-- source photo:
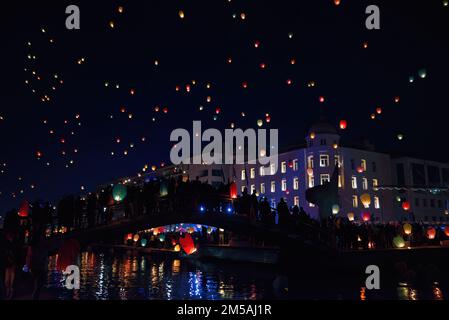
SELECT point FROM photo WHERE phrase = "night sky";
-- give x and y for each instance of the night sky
(326, 42)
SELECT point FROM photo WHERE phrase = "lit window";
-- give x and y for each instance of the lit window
(324, 160)
(262, 188)
(376, 203)
(325, 178)
(273, 203)
(262, 171)
(253, 188)
(310, 162)
(375, 183)
(253, 173)
(340, 181)
(284, 185)
(243, 175)
(273, 169)
(354, 182)
(364, 164)
(273, 187)
(365, 183)
(283, 167)
(355, 201)
(311, 182)
(296, 201)
(295, 165)
(243, 188)
(311, 205)
(295, 184)
(337, 160)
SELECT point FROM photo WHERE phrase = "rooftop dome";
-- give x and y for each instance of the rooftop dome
(321, 127)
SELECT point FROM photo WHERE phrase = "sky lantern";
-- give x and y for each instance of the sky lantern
(446, 231)
(129, 236)
(260, 123)
(143, 242)
(351, 216)
(181, 14)
(366, 216)
(422, 73)
(366, 200)
(289, 82)
(360, 169)
(233, 190)
(187, 244)
(378, 110)
(177, 248)
(445, 3)
(256, 44)
(165, 110)
(322, 99)
(263, 65)
(335, 209)
(406, 205)
(407, 229)
(136, 238)
(119, 192)
(411, 79)
(217, 110)
(399, 242)
(431, 233)
(24, 209)
(268, 118)
(312, 135)
(245, 85)
(343, 124)
(120, 9)
(310, 172)
(337, 2)
(290, 35)
(400, 137)
(397, 99)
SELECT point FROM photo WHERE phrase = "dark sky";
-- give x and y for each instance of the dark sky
(327, 45)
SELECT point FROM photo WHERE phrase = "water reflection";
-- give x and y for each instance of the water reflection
(132, 276)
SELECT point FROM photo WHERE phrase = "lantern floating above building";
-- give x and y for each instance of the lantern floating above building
(343, 124)
(399, 242)
(24, 210)
(366, 216)
(431, 233)
(351, 216)
(119, 192)
(406, 205)
(335, 209)
(366, 200)
(407, 229)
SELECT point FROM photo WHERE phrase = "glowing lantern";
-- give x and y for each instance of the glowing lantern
(24, 210)
(312, 135)
(233, 190)
(310, 172)
(181, 14)
(446, 231)
(289, 82)
(343, 124)
(321, 99)
(177, 248)
(398, 242)
(217, 110)
(161, 237)
(259, 123)
(379, 110)
(129, 236)
(245, 85)
(366, 216)
(337, 2)
(397, 99)
(268, 119)
(143, 242)
(119, 192)
(422, 73)
(163, 190)
(406, 205)
(335, 209)
(187, 244)
(411, 79)
(351, 216)
(366, 200)
(210, 230)
(136, 238)
(400, 137)
(360, 169)
(431, 233)
(120, 9)
(407, 229)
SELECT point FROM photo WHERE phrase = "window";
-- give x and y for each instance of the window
(243, 189)
(374, 166)
(417, 202)
(363, 165)
(253, 173)
(365, 183)
(296, 201)
(262, 188)
(324, 160)
(354, 182)
(323, 142)
(262, 171)
(355, 201)
(295, 165)
(295, 184)
(375, 183)
(273, 187)
(284, 185)
(352, 164)
(243, 175)
(311, 181)
(310, 162)
(311, 205)
(283, 167)
(340, 181)
(432, 203)
(253, 188)
(337, 160)
(376, 202)
(273, 169)
(325, 178)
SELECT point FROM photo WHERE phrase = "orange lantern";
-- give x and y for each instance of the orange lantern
(233, 190)
(446, 231)
(310, 172)
(431, 233)
(366, 216)
(360, 169)
(366, 200)
(187, 244)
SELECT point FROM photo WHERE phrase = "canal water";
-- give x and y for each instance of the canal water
(132, 276)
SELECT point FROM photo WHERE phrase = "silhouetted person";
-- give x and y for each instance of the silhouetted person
(254, 209)
(283, 213)
(37, 262)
